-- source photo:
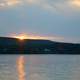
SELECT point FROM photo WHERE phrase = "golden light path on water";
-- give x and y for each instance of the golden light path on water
(20, 67)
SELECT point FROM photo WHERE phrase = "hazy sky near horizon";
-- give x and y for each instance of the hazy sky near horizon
(60, 18)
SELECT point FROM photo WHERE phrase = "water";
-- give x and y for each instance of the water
(39, 67)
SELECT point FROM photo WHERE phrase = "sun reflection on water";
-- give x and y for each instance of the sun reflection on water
(20, 68)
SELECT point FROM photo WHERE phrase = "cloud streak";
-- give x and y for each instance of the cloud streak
(6, 3)
(56, 5)
(52, 5)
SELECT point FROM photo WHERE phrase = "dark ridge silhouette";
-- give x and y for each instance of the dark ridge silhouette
(39, 46)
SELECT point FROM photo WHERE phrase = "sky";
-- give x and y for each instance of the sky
(57, 20)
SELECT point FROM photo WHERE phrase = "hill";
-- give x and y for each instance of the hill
(31, 46)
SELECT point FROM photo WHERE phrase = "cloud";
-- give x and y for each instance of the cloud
(51, 5)
(75, 3)
(33, 1)
(12, 2)
(60, 6)
(2, 4)
(6, 3)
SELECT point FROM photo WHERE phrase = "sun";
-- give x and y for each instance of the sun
(20, 37)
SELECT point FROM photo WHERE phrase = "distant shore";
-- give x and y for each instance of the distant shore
(31, 46)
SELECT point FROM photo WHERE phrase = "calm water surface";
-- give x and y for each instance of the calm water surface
(39, 67)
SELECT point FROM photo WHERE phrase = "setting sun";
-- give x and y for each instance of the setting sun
(20, 37)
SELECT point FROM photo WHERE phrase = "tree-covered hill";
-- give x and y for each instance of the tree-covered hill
(31, 46)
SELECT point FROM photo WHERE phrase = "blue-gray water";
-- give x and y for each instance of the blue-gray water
(39, 67)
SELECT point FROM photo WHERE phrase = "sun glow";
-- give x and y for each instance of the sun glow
(8, 3)
(36, 37)
(75, 3)
(23, 36)
(20, 37)
(12, 2)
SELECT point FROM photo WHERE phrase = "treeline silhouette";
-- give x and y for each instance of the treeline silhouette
(31, 46)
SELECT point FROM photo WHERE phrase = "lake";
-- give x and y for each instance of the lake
(39, 67)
